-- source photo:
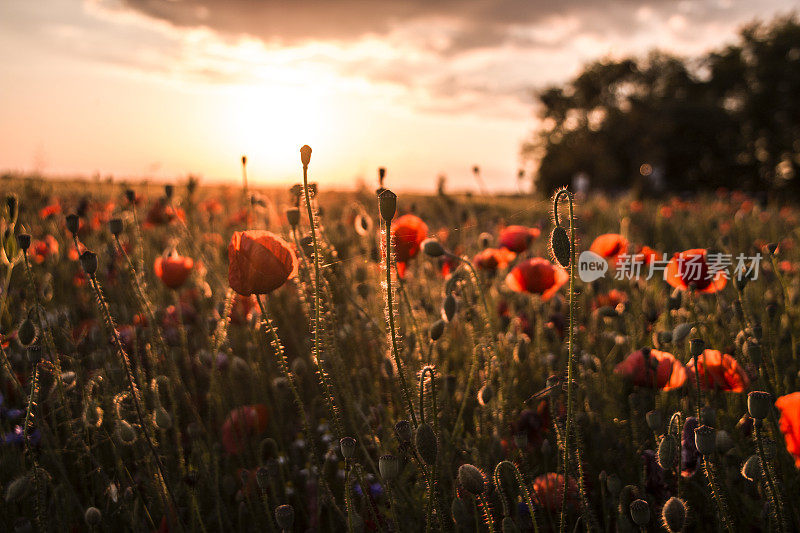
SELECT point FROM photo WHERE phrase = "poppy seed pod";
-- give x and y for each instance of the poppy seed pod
(12, 205)
(758, 404)
(751, 469)
(305, 155)
(389, 466)
(425, 441)
(348, 447)
(437, 329)
(115, 226)
(130, 195)
(387, 205)
(381, 174)
(93, 517)
(89, 262)
(403, 431)
(169, 191)
(284, 517)
(654, 420)
(696, 347)
(667, 454)
(73, 223)
(293, 216)
(432, 248)
(705, 438)
(674, 514)
(449, 307)
(24, 241)
(472, 479)
(559, 243)
(485, 239)
(640, 512)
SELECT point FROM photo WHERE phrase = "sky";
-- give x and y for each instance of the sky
(161, 89)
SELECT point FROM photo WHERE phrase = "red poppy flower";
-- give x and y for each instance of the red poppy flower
(492, 259)
(723, 372)
(173, 269)
(50, 210)
(408, 232)
(610, 246)
(691, 267)
(259, 262)
(161, 214)
(448, 264)
(612, 298)
(549, 489)
(43, 249)
(645, 255)
(537, 276)
(242, 423)
(652, 368)
(789, 407)
(518, 238)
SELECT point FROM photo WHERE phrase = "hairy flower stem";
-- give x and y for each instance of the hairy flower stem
(431, 504)
(526, 494)
(393, 331)
(774, 497)
(571, 346)
(718, 494)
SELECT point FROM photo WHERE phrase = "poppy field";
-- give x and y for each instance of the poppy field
(208, 358)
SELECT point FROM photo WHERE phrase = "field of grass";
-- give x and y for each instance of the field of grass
(453, 392)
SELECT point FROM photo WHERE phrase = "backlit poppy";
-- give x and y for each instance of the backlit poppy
(610, 246)
(173, 269)
(537, 276)
(518, 238)
(789, 407)
(43, 249)
(652, 368)
(549, 489)
(242, 423)
(719, 371)
(691, 266)
(259, 262)
(645, 255)
(408, 232)
(492, 259)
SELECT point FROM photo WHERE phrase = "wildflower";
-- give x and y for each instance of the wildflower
(537, 276)
(652, 368)
(789, 406)
(610, 246)
(691, 267)
(719, 371)
(259, 262)
(492, 259)
(173, 269)
(472, 479)
(243, 422)
(43, 249)
(518, 238)
(549, 489)
(408, 232)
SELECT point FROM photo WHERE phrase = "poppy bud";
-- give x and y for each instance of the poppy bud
(124, 432)
(348, 447)
(24, 241)
(559, 243)
(425, 441)
(640, 512)
(26, 334)
(244, 160)
(284, 517)
(437, 329)
(130, 195)
(305, 155)
(73, 223)
(169, 190)
(89, 262)
(472, 479)
(758, 404)
(772, 248)
(509, 526)
(485, 394)
(12, 204)
(93, 517)
(449, 307)
(674, 514)
(654, 420)
(162, 419)
(705, 439)
(381, 175)
(696, 347)
(115, 226)
(752, 349)
(681, 331)
(387, 204)
(403, 431)
(433, 248)
(389, 466)
(667, 452)
(751, 469)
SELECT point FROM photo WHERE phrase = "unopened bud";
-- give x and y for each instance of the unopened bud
(759, 404)
(89, 262)
(389, 466)
(115, 226)
(432, 248)
(640, 512)
(24, 241)
(293, 216)
(348, 447)
(472, 479)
